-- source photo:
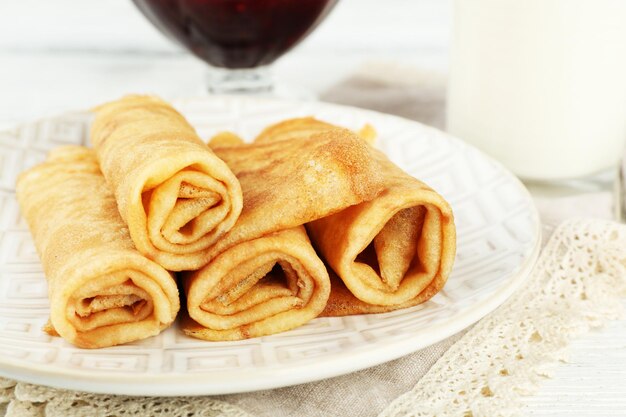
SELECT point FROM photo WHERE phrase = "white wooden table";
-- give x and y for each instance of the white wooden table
(59, 55)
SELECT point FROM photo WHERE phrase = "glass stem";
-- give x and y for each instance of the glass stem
(240, 81)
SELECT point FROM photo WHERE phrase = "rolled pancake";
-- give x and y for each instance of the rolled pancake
(264, 276)
(286, 184)
(102, 291)
(175, 195)
(259, 287)
(392, 251)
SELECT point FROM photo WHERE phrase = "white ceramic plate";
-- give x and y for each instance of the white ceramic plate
(498, 242)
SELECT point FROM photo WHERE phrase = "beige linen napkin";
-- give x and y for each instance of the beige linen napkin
(364, 393)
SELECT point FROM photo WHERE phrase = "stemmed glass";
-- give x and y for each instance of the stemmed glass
(239, 39)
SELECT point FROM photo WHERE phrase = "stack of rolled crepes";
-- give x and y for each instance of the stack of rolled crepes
(265, 276)
(249, 268)
(102, 291)
(389, 237)
(262, 276)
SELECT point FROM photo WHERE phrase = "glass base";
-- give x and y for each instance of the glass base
(254, 81)
(240, 81)
(601, 181)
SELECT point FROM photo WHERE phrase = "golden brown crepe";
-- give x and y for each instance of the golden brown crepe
(102, 291)
(264, 276)
(293, 182)
(259, 287)
(392, 251)
(175, 195)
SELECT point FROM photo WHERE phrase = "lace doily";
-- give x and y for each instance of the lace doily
(575, 286)
(26, 400)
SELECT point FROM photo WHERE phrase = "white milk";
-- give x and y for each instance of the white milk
(541, 84)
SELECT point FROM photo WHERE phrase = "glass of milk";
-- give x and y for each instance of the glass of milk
(540, 85)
